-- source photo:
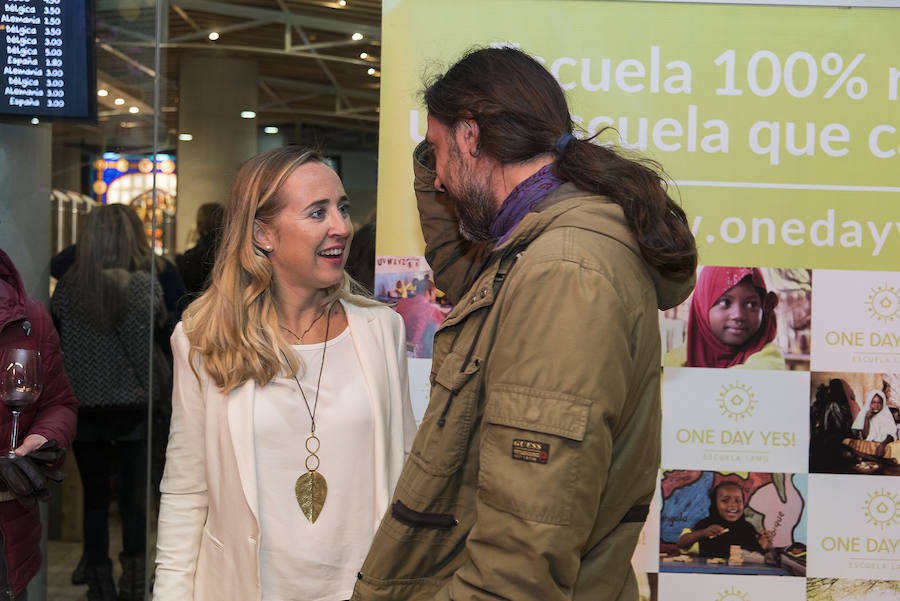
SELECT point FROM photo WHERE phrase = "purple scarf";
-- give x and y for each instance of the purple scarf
(522, 200)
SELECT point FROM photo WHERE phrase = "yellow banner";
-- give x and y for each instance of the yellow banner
(779, 127)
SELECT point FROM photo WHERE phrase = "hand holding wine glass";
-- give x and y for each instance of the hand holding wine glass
(20, 384)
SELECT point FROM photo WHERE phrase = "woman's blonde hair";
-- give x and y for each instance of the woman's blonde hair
(233, 326)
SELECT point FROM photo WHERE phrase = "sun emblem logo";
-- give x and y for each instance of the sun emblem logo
(737, 401)
(732, 595)
(882, 509)
(884, 303)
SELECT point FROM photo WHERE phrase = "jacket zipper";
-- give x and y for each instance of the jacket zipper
(413, 518)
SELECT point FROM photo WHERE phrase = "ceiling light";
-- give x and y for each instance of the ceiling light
(371, 71)
(342, 2)
(185, 137)
(133, 109)
(213, 35)
(35, 120)
(270, 130)
(102, 92)
(119, 101)
(356, 37)
(364, 55)
(248, 115)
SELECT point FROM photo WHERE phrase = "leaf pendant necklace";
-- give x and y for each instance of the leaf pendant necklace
(311, 487)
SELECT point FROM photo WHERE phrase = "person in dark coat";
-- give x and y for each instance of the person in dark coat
(196, 263)
(103, 305)
(176, 299)
(25, 323)
(173, 289)
(361, 258)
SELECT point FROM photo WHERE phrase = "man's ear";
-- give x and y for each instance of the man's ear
(470, 136)
(261, 237)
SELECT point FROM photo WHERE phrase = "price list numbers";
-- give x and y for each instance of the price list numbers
(54, 82)
(32, 40)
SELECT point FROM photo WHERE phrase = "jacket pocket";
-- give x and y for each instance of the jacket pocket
(443, 437)
(216, 543)
(531, 453)
(418, 519)
(423, 534)
(209, 577)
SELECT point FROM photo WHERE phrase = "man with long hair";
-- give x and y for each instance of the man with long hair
(532, 471)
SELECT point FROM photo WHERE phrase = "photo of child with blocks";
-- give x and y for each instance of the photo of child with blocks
(733, 523)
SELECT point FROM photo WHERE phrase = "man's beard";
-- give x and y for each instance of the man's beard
(475, 206)
(475, 209)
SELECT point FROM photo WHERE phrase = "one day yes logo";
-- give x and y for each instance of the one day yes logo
(884, 303)
(882, 508)
(737, 401)
(732, 595)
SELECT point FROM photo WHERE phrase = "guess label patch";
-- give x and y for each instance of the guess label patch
(530, 450)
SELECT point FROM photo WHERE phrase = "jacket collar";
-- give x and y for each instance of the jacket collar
(240, 424)
(568, 206)
(371, 360)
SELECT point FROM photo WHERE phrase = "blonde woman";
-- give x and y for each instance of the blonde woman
(291, 415)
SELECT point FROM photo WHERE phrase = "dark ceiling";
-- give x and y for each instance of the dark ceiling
(311, 76)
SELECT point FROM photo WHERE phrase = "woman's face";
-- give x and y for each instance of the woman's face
(736, 315)
(877, 404)
(310, 236)
(730, 503)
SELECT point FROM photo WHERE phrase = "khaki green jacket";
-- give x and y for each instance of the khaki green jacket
(540, 444)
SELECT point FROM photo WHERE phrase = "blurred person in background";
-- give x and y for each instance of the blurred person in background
(361, 259)
(103, 305)
(46, 429)
(174, 293)
(197, 262)
(176, 299)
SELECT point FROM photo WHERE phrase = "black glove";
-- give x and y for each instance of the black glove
(48, 457)
(23, 479)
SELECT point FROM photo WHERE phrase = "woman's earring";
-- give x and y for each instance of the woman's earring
(269, 247)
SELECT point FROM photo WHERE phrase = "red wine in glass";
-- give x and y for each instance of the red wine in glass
(20, 384)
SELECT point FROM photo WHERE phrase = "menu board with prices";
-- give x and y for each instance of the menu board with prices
(46, 53)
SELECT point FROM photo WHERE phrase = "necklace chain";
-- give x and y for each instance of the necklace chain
(306, 331)
(312, 412)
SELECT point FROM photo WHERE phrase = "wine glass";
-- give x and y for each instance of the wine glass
(20, 384)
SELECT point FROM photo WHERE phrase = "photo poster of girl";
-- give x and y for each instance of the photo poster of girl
(743, 522)
(741, 317)
(854, 423)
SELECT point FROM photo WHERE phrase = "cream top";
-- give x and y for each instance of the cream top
(300, 560)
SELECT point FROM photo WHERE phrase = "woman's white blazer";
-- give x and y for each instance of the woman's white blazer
(208, 538)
